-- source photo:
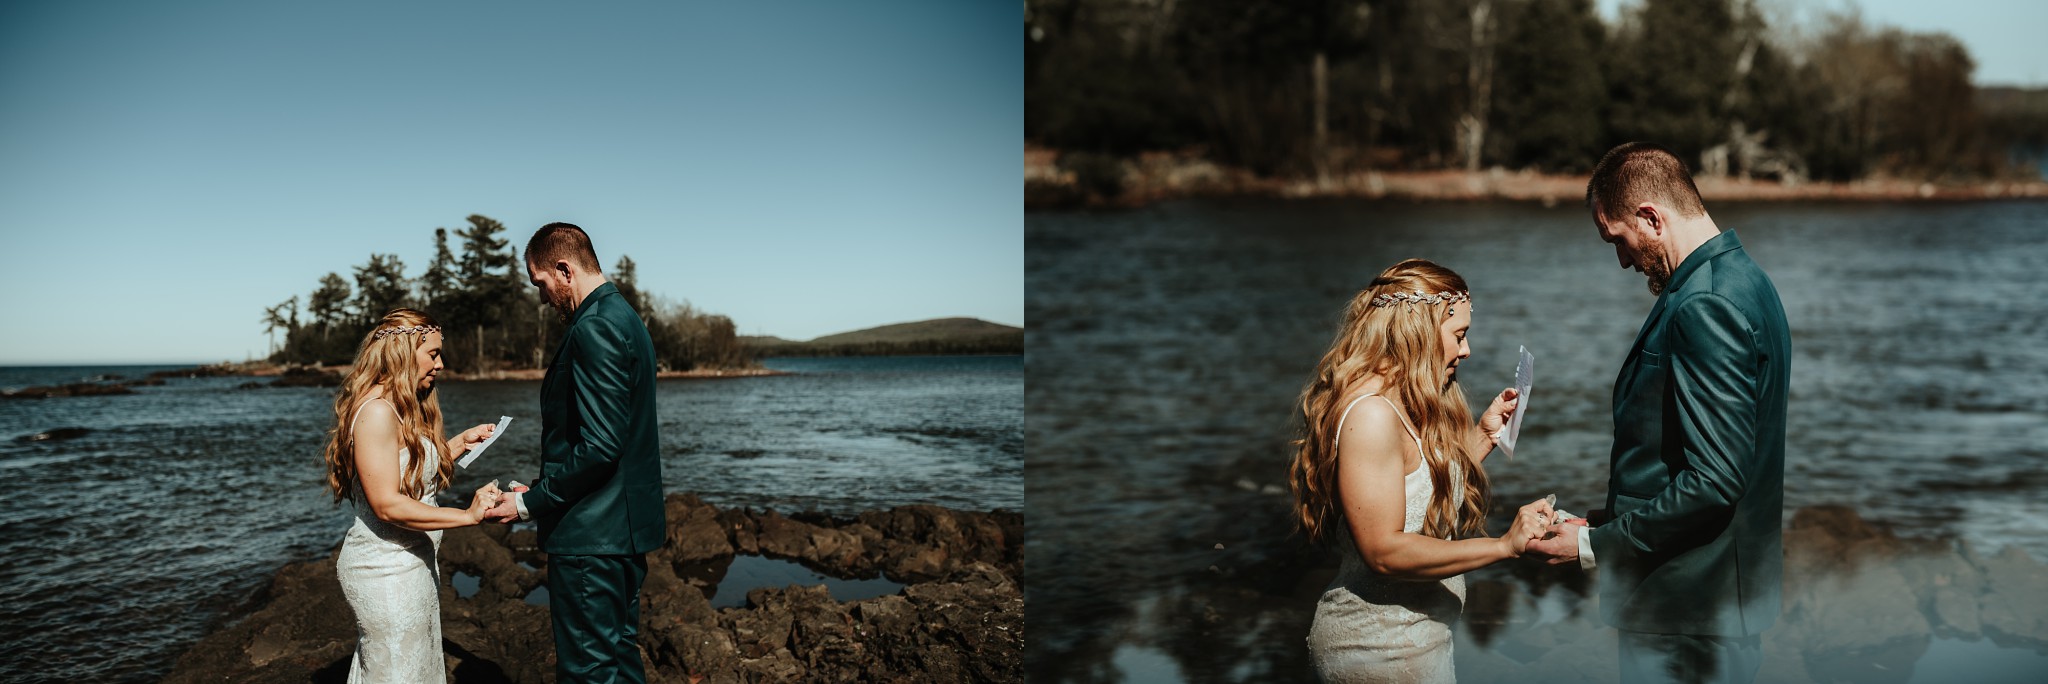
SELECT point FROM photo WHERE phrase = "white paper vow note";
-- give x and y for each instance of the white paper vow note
(488, 441)
(1524, 376)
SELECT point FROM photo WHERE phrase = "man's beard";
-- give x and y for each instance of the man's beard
(1654, 269)
(561, 306)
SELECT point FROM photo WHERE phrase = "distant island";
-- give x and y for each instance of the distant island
(495, 327)
(936, 336)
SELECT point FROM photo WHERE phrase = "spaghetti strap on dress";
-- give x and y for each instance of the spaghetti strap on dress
(391, 580)
(1374, 628)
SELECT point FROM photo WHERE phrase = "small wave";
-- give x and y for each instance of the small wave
(55, 435)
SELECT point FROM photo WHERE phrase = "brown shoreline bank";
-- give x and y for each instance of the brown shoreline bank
(1053, 181)
(960, 618)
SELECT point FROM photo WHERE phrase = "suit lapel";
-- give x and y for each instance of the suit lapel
(1681, 278)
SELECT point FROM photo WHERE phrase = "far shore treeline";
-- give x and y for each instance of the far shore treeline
(492, 319)
(938, 337)
(1319, 89)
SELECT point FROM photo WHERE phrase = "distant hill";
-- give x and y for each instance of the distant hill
(936, 336)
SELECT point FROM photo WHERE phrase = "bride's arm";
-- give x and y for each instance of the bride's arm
(1479, 442)
(376, 438)
(1370, 480)
(468, 439)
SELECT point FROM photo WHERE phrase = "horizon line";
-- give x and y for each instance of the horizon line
(16, 363)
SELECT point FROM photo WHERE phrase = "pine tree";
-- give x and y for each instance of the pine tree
(439, 280)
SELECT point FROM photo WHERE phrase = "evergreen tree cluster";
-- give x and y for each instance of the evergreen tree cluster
(1312, 87)
(491, 318)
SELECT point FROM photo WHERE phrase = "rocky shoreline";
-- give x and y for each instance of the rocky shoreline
(322, 376)
(95, 387)
(960, 617)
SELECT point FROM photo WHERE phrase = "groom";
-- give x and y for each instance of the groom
(598, 498)
(1690, 543)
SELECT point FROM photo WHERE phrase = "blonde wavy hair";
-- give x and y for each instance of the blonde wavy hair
(391, 363)
(1401, 343)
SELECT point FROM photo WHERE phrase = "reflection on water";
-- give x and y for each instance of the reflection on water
(1168, 346)
(743, 573)
(1984, 660)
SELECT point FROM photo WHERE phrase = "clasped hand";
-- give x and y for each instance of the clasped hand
(493, 505)
(1540, 530)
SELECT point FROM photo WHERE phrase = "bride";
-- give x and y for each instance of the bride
(386, 457)
(1388, 472)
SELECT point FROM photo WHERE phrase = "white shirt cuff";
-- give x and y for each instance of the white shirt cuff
(1585, 547)
(519, 502)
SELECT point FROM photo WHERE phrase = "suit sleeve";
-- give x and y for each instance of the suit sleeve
(1714, 368)
(600, 381)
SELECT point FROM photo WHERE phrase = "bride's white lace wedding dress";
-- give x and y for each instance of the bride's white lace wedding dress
(390, 577)
(1374, 628)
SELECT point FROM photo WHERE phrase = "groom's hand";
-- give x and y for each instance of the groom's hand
(1559, 547)
(504, 512)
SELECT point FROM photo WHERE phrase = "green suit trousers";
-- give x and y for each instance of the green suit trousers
(595, 606)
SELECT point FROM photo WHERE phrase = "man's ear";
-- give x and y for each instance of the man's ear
(562, 269)
(1652, 217)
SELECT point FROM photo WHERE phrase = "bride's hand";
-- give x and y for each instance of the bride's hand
(1531, 522)
(476, 435)
(1496, 415)
(486, 497)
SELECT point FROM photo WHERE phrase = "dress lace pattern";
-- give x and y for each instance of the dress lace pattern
(391, 579)
(1374, 628)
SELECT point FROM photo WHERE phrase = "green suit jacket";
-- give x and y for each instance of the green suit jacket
(599, 491)
(1696, 485)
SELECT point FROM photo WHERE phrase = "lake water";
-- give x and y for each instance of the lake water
(1168, 346)
(125, 545)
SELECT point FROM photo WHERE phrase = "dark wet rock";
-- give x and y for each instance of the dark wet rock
(961, 617)
(1954, 611)
(304, 627)
(79, 389)
(306, 377)
(741, 530)
(1840, 615)
(1857, 591)
(2015, 600)
(499, 577)
(56, 435)
(695, 532)
(1860, 604)
(210, 371)
(780, 536)
(924, 542)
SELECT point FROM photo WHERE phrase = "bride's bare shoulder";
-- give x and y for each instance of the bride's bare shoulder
(1370, 426)
(375, 416)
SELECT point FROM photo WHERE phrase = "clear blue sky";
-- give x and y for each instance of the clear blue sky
(2004, 36)
(169, 169)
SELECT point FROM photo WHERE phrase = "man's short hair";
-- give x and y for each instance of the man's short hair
(562, 242)
(1634, 172)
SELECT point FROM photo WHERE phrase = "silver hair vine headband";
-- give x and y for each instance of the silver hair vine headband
(1417, 297)
(419, 329)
